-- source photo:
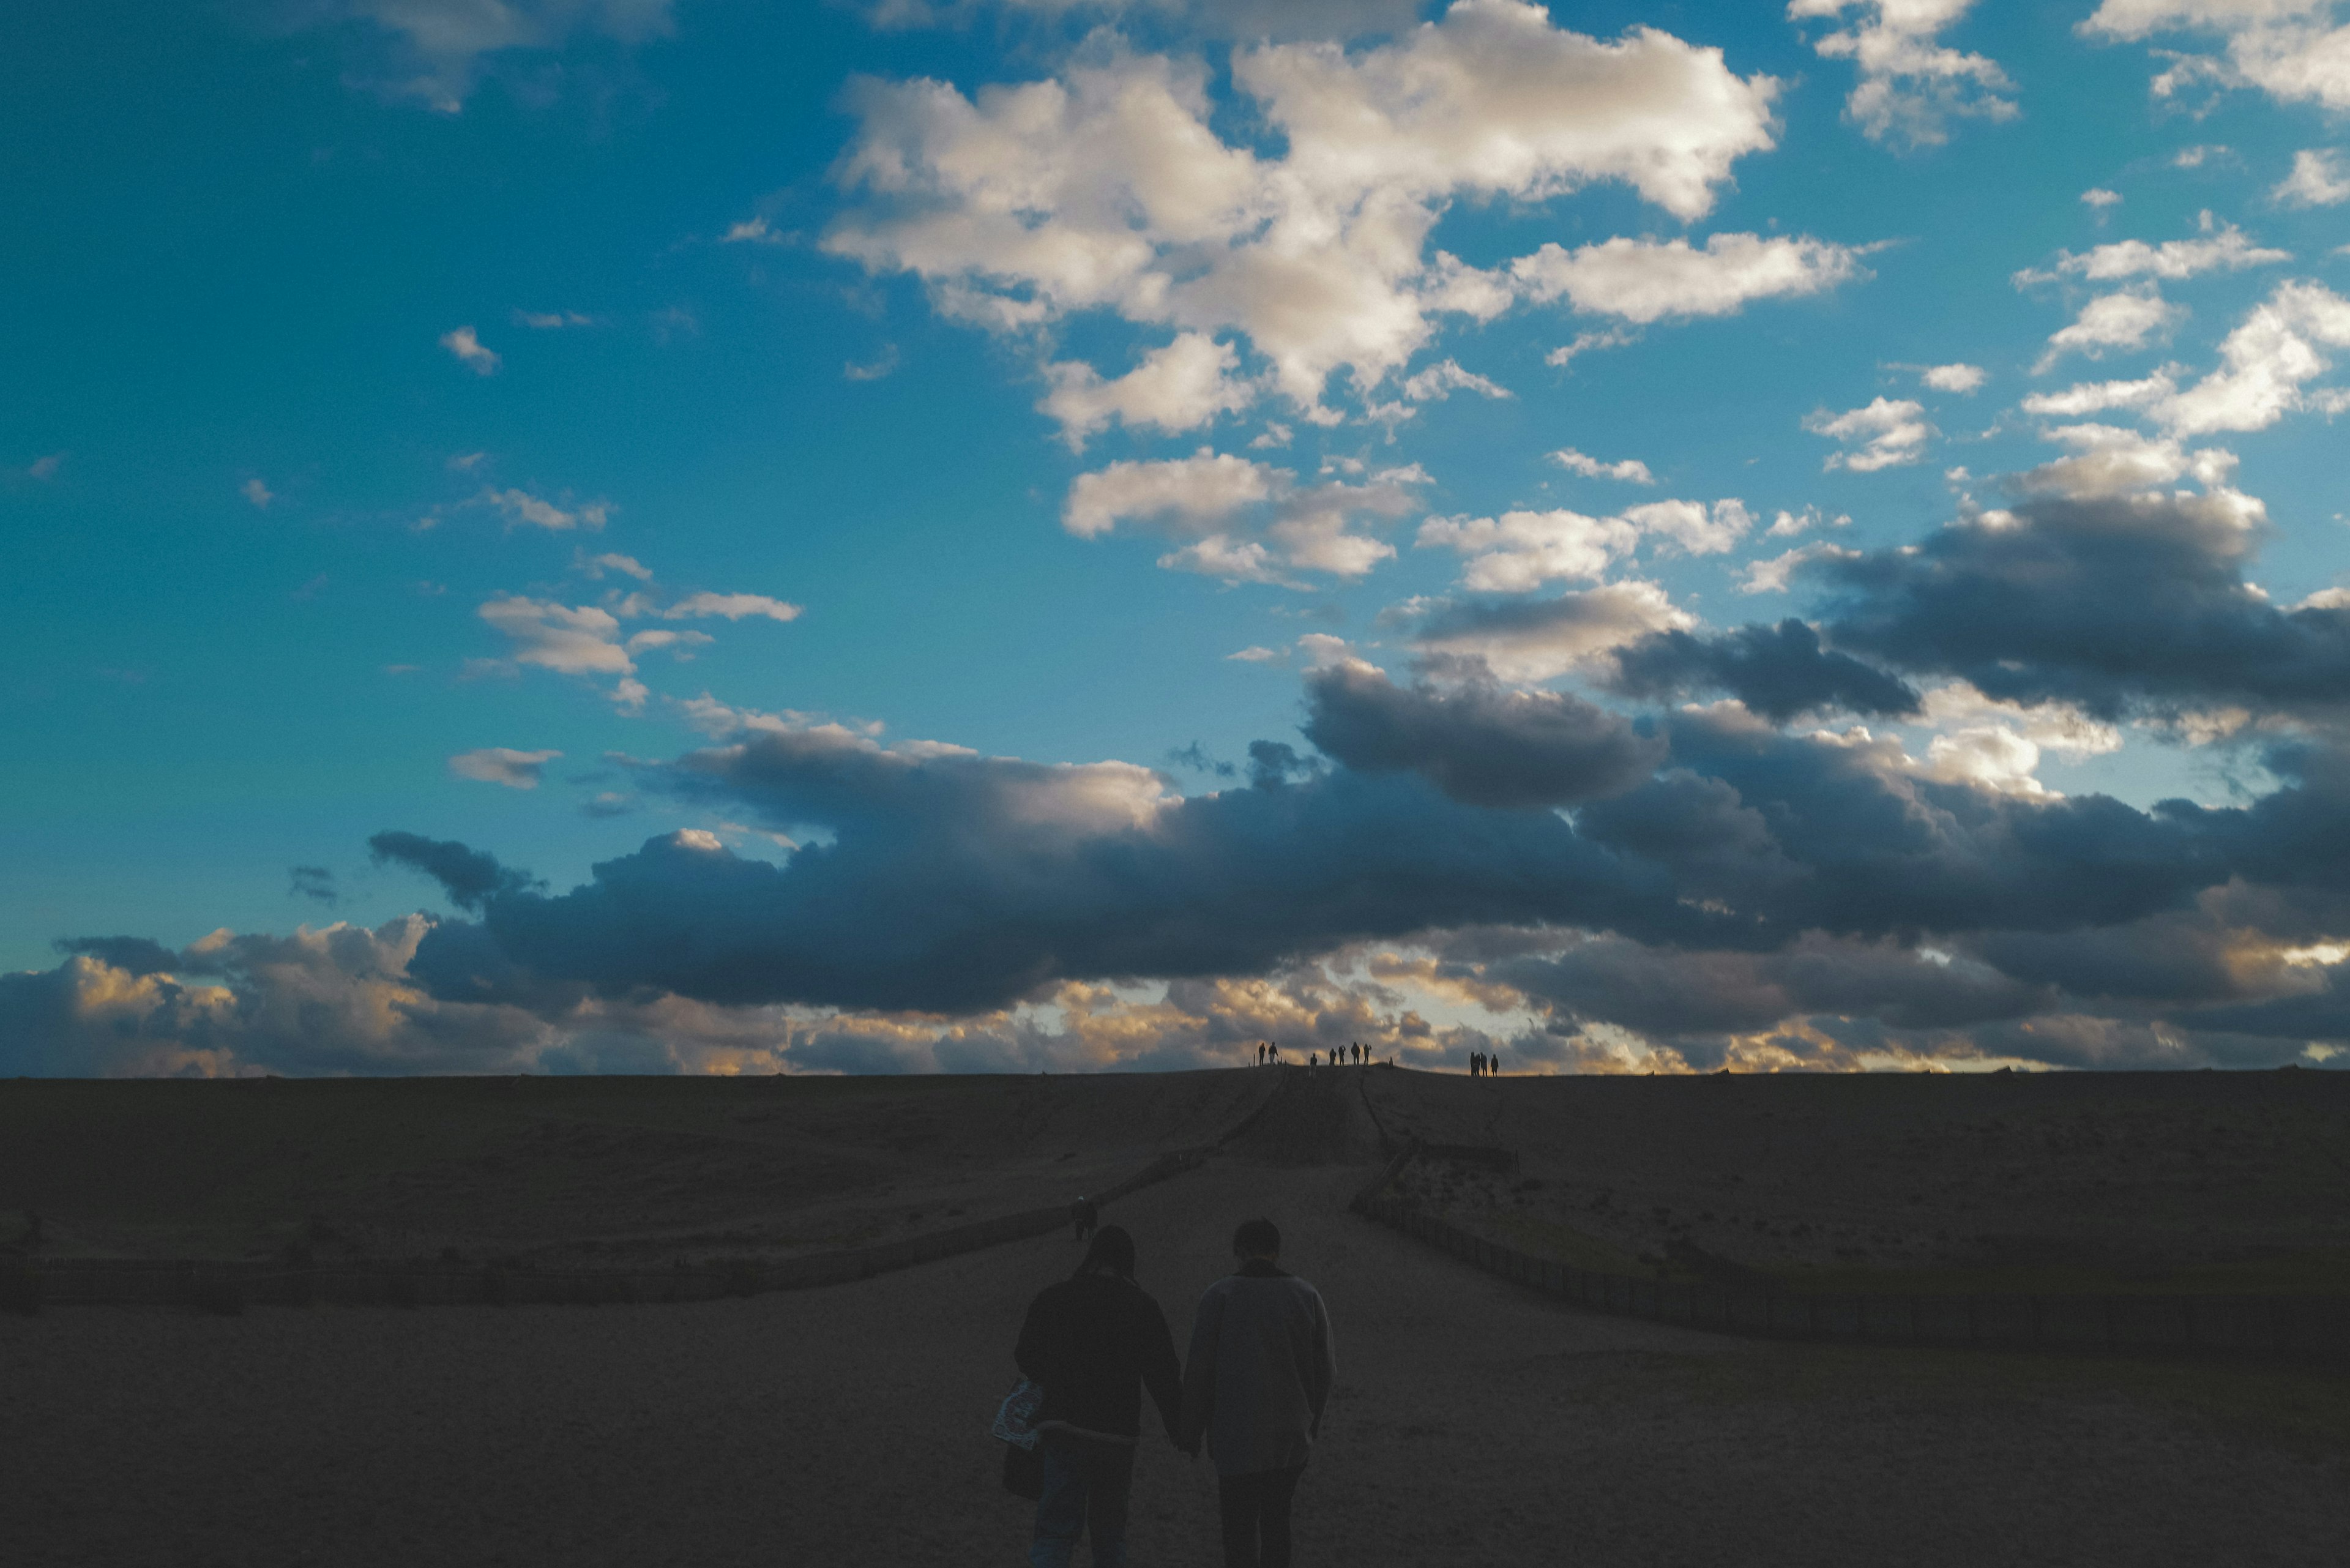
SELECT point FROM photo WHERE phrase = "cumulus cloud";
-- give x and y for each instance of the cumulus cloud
(2098, 199)
(583, 639)
(1886, 433)
(1211, 503)
(2319, 179)
(1522, 550)
(1442, 380)
(1180, 387)
(1479, 742)
(470, 353)
(2114, 322)
(2266, 364)
(1108, 188)
(2296, 51)
(1541, 640)
(1630, 470)
(1644, 281)
(2223, 249)
(1956, 378)
(1772, 576)
(732, 607)
(2118, 603)
(521, 506)
(1910, 86)
(2096, 396)
(503, 765)
(1777, 671)
(977, 881)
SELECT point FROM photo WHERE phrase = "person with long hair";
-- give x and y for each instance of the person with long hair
(1094, 1341)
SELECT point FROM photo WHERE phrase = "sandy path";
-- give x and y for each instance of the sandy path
(1474, 1424)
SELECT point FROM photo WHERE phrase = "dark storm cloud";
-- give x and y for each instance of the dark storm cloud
(135, 955)
(955, 882)
(1479, 743)
(468, 876)
(1811, 832)
(2118, 604)
(1778, 672)
(1672, 993)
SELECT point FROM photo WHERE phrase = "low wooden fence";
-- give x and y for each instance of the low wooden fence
(2302, 1328)
(229, 1287)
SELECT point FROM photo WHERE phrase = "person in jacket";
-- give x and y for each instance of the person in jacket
(1258, 1376)
(1094, 1341)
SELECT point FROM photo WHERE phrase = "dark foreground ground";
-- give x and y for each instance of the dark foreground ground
(1475, 1423)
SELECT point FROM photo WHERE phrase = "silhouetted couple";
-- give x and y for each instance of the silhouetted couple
(1259, 1372)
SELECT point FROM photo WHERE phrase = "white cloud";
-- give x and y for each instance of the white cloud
(1180, 387)
(1585, 342)
(581, 641)
(2108, 460)
(1643, 281)
(502, 766)
(1521, 550)
(1630, 470)
(1957, 377)
(732, 606)
(1184, 495)
(1209, 500)
(2291, 49)
(1910, 86)
(469, 351)
(1538, 639)
(626, 566)
(1690, 527)
(750, 231)
(2195, 157)
(254, 491)
(2224, 250)
(2111, 323)
(2266, 362)
(674, 640)
(1106, 188)
(2096, 396)
(1255, 655)
(1275, 435)
(1440, 381)
(1770, 577)
(2099, 198)
(2319, 179)
(1787, 524)
(1890, 432)
(521, 506)
(1997, 745)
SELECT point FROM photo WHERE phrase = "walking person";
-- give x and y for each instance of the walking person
(1084, 1214)
(1259, 1373)
(1094, 1341)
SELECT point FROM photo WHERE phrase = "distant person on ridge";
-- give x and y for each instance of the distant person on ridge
(1084, 1215)
(1259, 1373)
(1094, 1341)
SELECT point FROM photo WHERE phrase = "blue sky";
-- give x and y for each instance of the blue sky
(544, 429)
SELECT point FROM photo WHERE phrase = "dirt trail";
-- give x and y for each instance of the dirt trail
(1473, 1424)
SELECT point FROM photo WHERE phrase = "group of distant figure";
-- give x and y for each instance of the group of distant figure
(1251, 1390)
(1481, 1065)
(1354, 1054)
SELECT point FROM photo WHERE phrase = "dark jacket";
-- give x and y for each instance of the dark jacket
(1260, 1370)
(1095, 1342)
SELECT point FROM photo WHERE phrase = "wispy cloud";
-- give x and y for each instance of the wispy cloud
(468, 348)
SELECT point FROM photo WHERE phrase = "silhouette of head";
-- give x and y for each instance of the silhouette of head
(1256, 1239)
(1112, 1251)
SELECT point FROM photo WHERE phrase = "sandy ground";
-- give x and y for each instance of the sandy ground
(1475, 1423)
